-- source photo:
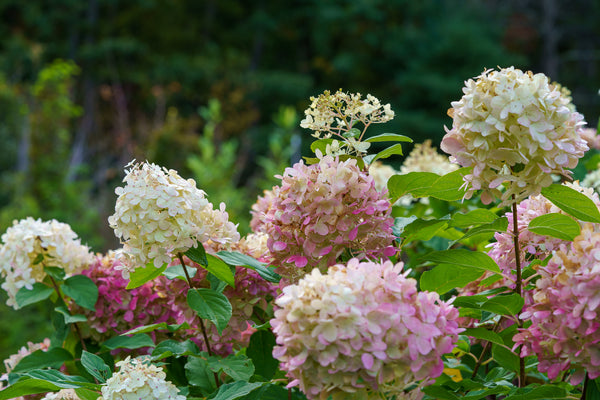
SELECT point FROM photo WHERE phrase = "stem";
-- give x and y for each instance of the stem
(202, 328)
(75, 324)
(484, 351)
(519, 284)
(585, 385)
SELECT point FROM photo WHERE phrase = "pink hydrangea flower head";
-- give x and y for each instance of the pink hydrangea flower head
(119, 309)
(321, 210)
(565, 325)
(513, 128)
(138, 378)
(361, 328)
(159, 214)
(29, 239)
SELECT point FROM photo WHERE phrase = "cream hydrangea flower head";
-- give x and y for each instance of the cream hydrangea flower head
(425, 158)
(64, 394)
(26, 242)
(159, 214)
(513, 126)
(338, 113)
(138, 378)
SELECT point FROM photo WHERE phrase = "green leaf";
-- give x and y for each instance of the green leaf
(197, 254)
(539, 393)
(129, 342)
(504, 304)
(82, 290)
(238, 367)
(484, 334)
(556, 225)
(235, 390)
(220, 269)
(423, 230)
(260, 350)
(170, 348)
(142, 275)
(95, 366)
(55, 272)
(593, 389)
(395, 149)
(505, 358)
(159, 326)
(69, 319)
(53, 358)
(210, 305)
(269, 392)
(86, 394)
(474, 301)
(26, 386)
(243, 260)
(61, 380)
(439, 392)
(572, 202)
(177, 272)
(198, 374)
(448, 187)
(446, 277)
(353, 133)
(418, 184)
(389, 137)
(475, 217)
(320, 144)
(464, 258)
(499, 225)
(37, 293)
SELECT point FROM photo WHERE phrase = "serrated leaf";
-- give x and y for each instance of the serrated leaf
(26, 386)
(475, 217)
(95, 366)
(210, 305)
(572, 202)
(69, 319)
(448, 187)
(197, 254)
(129, 342)
(53, 358)
(177, 272)
(238, 367)
(556, 225)
(505, 358)
(418, 184)
(37, 293)
(55, 272)
(395, 149)
(142, 275)
(61, 380)
(446, 277)
(243, 260)
(220, 269)
(504, 304)
(82, 290)
(484, 334)
(260, 350)
(423, 230)
(170, 348)
(389, 137)
(236, 390)
(198, 374)
(464, 258)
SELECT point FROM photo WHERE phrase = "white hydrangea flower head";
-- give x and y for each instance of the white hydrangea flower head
(425, 158)
(381, 174)
(138, 378)
(29, 239)
(159, 214)
(592, 179)
(515, 129)
(64, 394)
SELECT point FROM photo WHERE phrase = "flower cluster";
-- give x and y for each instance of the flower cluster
(514, 127)
(138, 378)
(381, 174)
(336, 114)
(321, 210)
(30, 245)
(159, 214)
(361, 328)
(425, 158)
(11, 362)
(565, 329)
(119, 309)
(590, 135)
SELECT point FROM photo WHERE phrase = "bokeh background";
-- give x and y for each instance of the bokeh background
(216, 89)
